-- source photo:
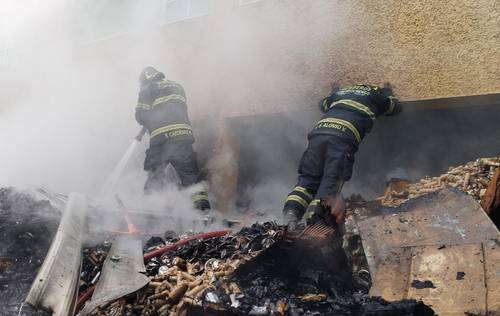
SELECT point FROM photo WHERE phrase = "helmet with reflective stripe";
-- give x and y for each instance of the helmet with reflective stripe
(149, 74)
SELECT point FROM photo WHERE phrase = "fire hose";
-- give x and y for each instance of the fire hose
(87, 294)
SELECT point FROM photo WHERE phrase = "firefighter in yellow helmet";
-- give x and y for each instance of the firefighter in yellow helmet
(162, 110)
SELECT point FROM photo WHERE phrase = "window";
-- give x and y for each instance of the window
(175, 10)
(201, 7)
(245, 2)
(99, 19)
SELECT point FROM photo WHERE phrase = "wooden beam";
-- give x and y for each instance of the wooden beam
(223, 166)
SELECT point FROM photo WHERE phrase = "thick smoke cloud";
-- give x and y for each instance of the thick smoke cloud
(66, 104)
(69, 85)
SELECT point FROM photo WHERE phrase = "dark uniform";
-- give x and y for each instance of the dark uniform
(328, 160)
(162, 110)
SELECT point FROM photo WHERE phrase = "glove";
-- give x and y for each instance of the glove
(395, 107)
(314, 213)
(336, 205)
(291, 219)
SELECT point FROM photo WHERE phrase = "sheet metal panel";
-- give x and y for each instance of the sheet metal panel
(121, 273)
(491, 250)
(56, 284)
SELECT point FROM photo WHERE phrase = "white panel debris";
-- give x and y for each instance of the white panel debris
(56, 284)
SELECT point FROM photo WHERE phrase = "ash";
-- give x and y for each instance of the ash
(301, 278)
(27, 227)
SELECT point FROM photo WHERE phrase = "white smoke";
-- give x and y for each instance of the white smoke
(69, 82)
(68, 72)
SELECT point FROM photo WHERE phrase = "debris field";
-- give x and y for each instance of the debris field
(258, 270)
(253, 272)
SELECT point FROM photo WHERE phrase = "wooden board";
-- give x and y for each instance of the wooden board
(391, 279)
(492, 271)
(448, 217)
(432, 239)
(457, 276)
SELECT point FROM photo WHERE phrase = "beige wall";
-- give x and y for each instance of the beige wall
(278, 55)
(284, 54)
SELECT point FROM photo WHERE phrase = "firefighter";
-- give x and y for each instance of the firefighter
(349, 114)
(162, 110)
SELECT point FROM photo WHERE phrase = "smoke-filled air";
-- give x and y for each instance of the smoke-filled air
(69, 76)
(249, 157)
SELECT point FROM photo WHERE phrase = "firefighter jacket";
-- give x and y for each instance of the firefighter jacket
(351, 112)
(162, 109)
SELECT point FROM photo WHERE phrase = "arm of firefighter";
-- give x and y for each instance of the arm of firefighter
(391, 103)
(144, 105)
(324, 104)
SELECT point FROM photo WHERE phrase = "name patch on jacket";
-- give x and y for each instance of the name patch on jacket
(340, 125)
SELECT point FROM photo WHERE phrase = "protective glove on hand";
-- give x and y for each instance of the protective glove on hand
(397, 107)
(336, 205)
(314, 213)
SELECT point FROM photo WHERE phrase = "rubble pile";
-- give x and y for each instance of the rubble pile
(253, 272)
(27, 227)
(180, 277)
(472, 178)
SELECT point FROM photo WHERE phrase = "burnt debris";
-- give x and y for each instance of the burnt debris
(27, 227)
(253, 272)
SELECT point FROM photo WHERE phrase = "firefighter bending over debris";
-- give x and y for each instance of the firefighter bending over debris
(328, 160)
(162, 110)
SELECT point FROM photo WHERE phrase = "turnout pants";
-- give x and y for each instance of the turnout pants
(182, 157)
(324, 167)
